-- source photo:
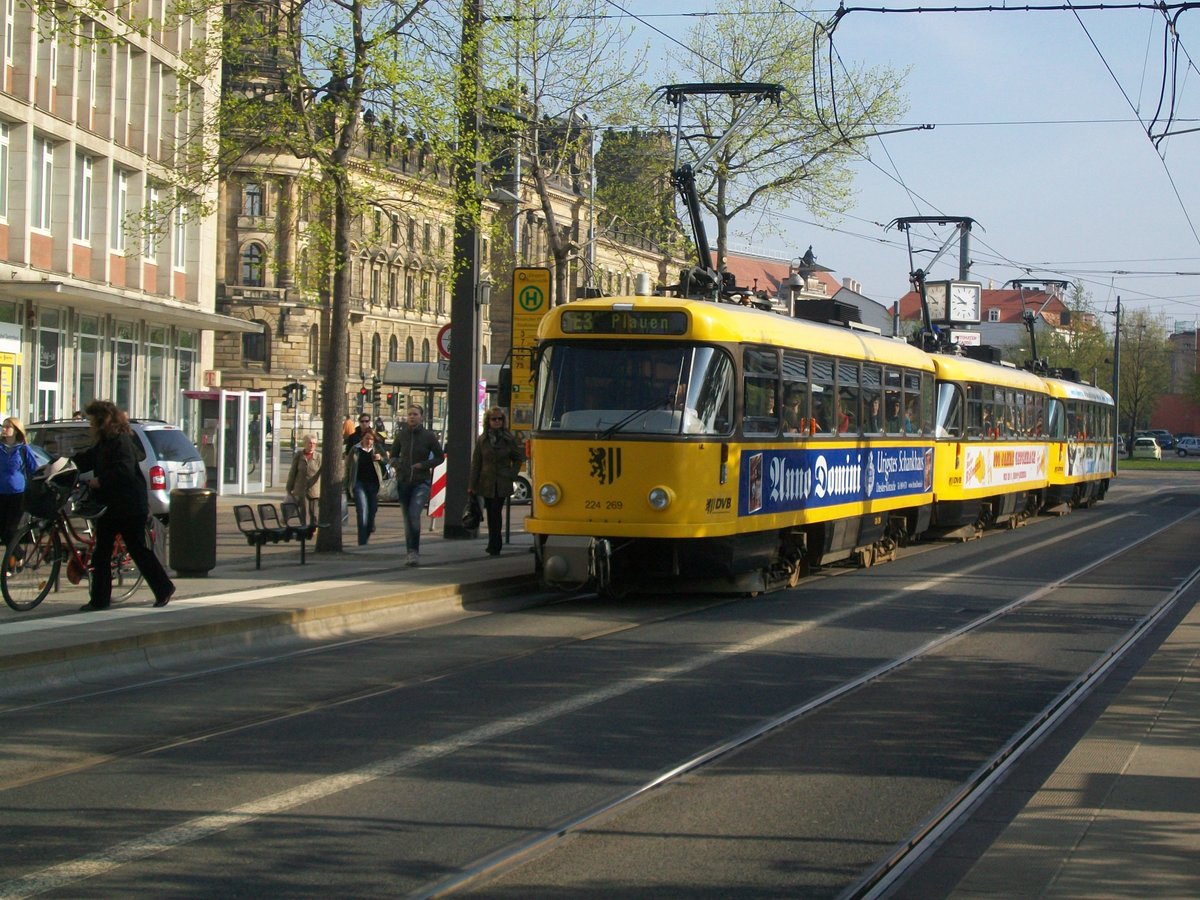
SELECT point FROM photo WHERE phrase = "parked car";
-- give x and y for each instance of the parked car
(172, 460)
(1145, 448)
(1165, 439)
(1188, 446)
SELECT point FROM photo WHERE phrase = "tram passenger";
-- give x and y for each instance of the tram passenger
(690, 417)
(874, 418)
(894, 420)
(910, 417)
(820, 415)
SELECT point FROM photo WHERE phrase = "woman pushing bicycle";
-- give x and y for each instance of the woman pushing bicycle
(118, 483)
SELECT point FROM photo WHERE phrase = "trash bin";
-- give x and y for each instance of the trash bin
(193, 542)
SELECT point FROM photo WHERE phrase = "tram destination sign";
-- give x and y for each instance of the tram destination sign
(619, 321)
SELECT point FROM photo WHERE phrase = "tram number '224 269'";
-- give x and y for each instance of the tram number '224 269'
(603, 504)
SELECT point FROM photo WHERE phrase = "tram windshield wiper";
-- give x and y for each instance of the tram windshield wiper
(621, 423)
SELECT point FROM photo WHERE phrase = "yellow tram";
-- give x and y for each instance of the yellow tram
(1080, 431)
(681, 442)
(990, 465)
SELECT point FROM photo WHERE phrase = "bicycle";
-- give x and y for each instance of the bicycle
(34, 558)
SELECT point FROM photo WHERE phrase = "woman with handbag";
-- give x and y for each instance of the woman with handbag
(497, 458)
(17, 463)
(364, 475)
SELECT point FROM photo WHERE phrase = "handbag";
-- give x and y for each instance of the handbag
(473, 514)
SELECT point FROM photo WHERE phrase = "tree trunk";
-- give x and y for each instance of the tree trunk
(334, 384)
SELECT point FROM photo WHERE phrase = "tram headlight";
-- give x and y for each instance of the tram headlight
(659, 498)
(549, 493)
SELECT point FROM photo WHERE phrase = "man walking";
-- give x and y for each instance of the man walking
(416, 452)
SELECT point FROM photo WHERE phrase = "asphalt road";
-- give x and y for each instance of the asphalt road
(384, 765)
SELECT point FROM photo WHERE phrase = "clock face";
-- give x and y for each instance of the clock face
(964, 302)
(935, 295)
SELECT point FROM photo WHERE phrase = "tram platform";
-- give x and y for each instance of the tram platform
(1109, 807)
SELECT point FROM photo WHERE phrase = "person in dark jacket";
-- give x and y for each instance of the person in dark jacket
(364, 475)
(497, 458)
(118, 483)
(17, 463)
(416, 452)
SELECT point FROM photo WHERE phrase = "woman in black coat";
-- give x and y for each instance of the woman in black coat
(118, 483)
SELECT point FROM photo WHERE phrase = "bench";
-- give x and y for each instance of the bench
(257, 535)
(297, 529)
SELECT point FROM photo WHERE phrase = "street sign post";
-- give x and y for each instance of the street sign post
(531, 301)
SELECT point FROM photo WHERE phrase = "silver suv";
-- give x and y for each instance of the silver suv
(172, 460)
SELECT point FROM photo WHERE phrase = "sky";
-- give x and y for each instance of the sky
(1037, 138)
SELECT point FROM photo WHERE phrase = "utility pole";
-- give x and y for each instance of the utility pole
(464, 314)
(1116, 391)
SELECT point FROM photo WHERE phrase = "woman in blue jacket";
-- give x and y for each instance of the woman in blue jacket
(17, 463)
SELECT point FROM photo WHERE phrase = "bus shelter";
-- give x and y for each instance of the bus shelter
(231, 433)
(424, 383)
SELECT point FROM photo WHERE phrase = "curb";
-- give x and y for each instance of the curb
(98, 661)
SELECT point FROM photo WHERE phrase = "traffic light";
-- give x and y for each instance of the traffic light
(391, 400)
(288, 397)
(376, 382)
(303, 393)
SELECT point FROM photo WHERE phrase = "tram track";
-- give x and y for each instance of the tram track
(381, 689)
(500, 727)
(875, 882)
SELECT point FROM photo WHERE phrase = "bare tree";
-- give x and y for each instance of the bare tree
(791, 153)
(1145, 368)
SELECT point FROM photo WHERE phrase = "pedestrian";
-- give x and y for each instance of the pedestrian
(304, 479)
(416, 452)
(364, 424)
(118, 483)
(495, 462)
(348, 427)
(364, 475)
(17, 463)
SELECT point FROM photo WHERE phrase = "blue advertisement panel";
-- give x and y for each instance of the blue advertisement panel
(775, 481)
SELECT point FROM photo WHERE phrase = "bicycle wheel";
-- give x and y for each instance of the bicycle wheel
(31, 566)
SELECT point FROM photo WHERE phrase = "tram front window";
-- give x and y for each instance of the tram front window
(635, 389)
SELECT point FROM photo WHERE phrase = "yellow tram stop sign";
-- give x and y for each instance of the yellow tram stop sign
(531, 301)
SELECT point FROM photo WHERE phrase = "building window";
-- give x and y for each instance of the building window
(395, 228)
(252, 265)
(43, 183)
(409, 349)
(314, 348)
(393, 349)
(425, 350)
(179, 239)
(994, 315)
(10, 17)
(83, 198)
(376, 275)
(3, 170)
(393, 288)
(425, 239)
(376, 352)
(254, 345)
(150, 234)
(409, 290)
(120, 206)
(252, 199)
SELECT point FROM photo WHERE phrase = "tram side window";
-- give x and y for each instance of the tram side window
(949, 410)
(893, 401)
(849, 397)
(760, 409)
(918, 403)
(1056, 428)
(872, 399)
(975, 408)
(796, 418)
(822, 394)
